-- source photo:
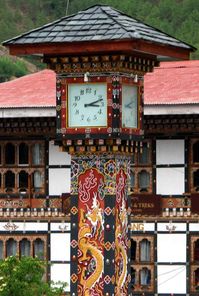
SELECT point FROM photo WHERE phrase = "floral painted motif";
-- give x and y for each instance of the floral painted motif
(110, 168)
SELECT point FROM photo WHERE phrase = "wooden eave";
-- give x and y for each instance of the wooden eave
(76, 48)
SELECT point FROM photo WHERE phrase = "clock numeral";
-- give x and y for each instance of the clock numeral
(95, 117)
(100, 111)
(82, 117)
(74, 104)
(88, 90)
(77, 98)
(81, 92)
(95, 91)
(88, 119)
(76, 112)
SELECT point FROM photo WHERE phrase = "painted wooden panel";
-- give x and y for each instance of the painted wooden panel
(170, 152)
(59, 181)
(60, 246)
(171, 226)
(61, 272)
(57, 157)
(23, 226)
(171, 279)
(60, 226)
(171, 248)
(170, 181)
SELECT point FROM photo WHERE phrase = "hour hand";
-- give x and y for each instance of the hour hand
(93, 104)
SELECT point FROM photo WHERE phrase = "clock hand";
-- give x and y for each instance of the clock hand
(129, 105)
(93, 104)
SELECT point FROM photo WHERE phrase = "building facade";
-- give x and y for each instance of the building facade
(34, 176)
(164, 183)
(35, 181)
(100, 57)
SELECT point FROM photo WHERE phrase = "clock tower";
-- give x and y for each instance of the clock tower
(100, 56)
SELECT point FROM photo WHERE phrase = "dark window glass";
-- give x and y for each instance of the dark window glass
(1, 250)
(145, 247)
(11, 247)
(23, 154)
(196, 152)
(132, 181)
(196, 276)
(9, 181)
(23, 180)
(133, 277)
(196, 251)
(39, 248)
(143, 179)
(145, 276)
(143, 156)
(9, 154)
(24, 247)
(196, 180)
(133, 250)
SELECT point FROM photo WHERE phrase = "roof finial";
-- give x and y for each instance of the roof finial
(67, 6)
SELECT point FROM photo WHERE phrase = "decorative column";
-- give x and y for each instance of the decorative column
(99, 221)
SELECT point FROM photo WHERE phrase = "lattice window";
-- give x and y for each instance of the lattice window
(141, 169)
(142, 263)
(22, 167)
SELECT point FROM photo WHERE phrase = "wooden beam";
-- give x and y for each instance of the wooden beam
(100, 47)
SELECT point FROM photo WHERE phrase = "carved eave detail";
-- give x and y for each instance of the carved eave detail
(101, 64)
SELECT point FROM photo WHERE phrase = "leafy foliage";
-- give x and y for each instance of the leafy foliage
(9, 68)
(24, 277)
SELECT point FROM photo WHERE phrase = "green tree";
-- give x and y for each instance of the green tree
(9, 68)
(24, 277)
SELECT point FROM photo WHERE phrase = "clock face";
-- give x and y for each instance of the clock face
(87, 105)
(129, 106)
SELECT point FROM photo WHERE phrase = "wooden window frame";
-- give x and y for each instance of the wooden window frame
(138, 265)
(137, 168)
(28, 168)
(19, 237)
(194, 265)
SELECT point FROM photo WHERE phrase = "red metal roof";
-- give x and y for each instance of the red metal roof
(173, 83)
(34, 90)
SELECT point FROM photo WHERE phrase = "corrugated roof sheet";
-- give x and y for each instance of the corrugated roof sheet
(34, 90)
(97, 23)
(173, 83)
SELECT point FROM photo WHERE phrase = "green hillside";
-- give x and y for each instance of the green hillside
(179, 18)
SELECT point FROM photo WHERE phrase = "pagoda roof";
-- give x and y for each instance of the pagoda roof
(99, 23)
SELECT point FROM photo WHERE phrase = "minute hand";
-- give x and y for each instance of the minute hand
(93, 104)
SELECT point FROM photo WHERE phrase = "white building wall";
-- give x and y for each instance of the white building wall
(171, 279)
(170, 167)
(170, 152)
(58, 157)
(59, 171)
